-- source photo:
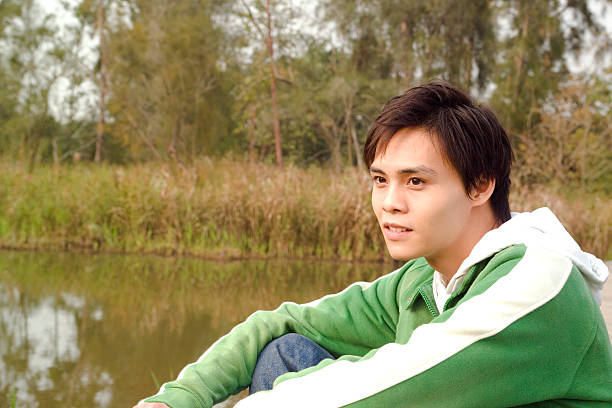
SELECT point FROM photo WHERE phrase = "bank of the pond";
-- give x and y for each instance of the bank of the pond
(224, 209)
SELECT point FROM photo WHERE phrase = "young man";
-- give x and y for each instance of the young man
(490, 310)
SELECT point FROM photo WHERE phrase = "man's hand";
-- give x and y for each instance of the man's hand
(151, 405)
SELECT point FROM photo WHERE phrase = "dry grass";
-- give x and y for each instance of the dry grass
(586, 216)
(227, 209)
(218, 208)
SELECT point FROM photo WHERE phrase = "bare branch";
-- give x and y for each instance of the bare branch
(252, 18)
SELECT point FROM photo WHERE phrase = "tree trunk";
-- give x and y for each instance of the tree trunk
(332, 138)
(101, 84)
(35, 135)
(252, 134)
(358, 152)
(349, 148)
(55, 151)
(468, 63)
(274, 97)
(352, 142)
(520, 59)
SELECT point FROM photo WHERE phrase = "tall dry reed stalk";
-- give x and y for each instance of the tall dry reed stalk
(224, 208)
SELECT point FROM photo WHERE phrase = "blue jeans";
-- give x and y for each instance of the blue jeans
(289, 353)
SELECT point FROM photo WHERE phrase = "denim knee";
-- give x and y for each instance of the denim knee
(289, 353)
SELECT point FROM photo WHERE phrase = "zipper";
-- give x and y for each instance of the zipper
(432, 308)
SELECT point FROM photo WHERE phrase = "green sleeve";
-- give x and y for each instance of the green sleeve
(354, 321)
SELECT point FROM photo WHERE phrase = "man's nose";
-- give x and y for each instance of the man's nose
(394, 201)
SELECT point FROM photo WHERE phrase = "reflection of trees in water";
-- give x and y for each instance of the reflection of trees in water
(41, 356)
(99, 331)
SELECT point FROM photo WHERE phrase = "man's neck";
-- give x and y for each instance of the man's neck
(482, 220)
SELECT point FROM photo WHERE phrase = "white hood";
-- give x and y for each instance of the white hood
(540, 228)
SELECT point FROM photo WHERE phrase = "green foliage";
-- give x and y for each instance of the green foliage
(13, 398)
(419, 40)
(168, 96)
(34, 63)
(534, 55)
(334, 101)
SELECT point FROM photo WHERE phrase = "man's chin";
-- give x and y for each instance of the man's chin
(400, 254)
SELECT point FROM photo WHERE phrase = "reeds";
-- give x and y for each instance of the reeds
(217, 208)
(221, 208)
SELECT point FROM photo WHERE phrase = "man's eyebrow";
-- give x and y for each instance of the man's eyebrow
(419, 169)
(410, 170)
(375, 170)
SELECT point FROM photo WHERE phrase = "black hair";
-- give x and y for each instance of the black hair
(470, 136)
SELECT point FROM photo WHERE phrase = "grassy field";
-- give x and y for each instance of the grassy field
(220, 208)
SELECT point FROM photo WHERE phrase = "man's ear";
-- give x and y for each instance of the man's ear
(482, 192)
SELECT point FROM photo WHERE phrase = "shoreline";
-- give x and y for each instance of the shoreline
(214, 257)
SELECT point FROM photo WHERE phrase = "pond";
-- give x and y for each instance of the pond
(80, 330)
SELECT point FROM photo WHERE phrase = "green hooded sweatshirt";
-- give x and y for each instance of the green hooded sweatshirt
(523, 329)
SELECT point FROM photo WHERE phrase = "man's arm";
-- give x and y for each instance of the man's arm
(356, 320)
(526, 336)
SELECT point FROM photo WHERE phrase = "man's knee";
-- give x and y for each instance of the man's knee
(289, 353)
(289, 342)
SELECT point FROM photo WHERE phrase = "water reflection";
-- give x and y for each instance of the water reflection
(101, 331)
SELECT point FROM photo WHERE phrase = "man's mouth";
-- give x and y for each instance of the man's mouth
(395, 231)
(398, 229)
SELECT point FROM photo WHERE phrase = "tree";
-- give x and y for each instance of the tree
(533, 55)
(419, 40)
(251, 107)
(102, 81)
(330, 106)
(9, 83)
(167, 94)
(34, 65)
(268, 38)
(93, 17)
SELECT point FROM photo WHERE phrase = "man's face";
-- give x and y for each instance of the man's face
(418, 198)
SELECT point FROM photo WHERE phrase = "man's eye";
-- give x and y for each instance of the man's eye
(414, 181)
(378, 180)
